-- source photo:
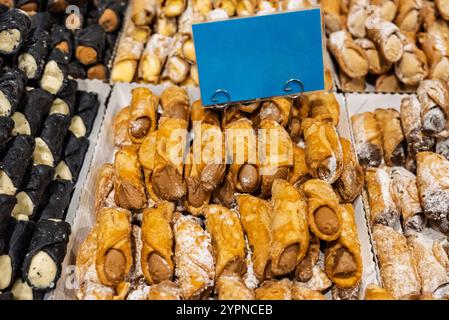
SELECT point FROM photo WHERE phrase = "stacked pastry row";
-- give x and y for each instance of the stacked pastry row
(390, 45)
(157, 44)
(275, 228)
(86, 37)
(404, 154)
(45, 141)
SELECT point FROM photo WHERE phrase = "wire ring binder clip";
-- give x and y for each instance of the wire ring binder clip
(221, 92)
(288, 88)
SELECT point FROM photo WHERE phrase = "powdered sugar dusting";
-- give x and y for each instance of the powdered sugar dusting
(250, 278)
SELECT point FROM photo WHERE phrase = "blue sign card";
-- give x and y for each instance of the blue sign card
(257, 57)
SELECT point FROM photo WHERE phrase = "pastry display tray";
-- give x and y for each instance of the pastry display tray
(104, 152)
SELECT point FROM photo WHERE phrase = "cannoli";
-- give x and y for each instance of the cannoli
(56, 6)
(73, 157)
(59, 200)
(433, 96)
(435, 44)
(432, 170)
(31, 197)
(396, 263)
(350, 57)
(356, 18)
(203, 7)
(377, 63)
(176, 68)
(229, 6)
(157, 242)
(325, 107)
(256, 217)
(65, 101)
(276, 109)
(144, 11)
(50, 143)
(405, 195)
(374, 292)
(76, 70)
(225, 192)
(300, 172)
(299, 111)
(289, 228)
(7, 203)
(14, 27)
(276, 157)
(433, 275)
(98, 71)
(412, 68)
(409, 18)
(62, 39)
(36, 107)
(368, 139)
(12, 87)
(387, 82)
(174, 8)
(6, 127)
(352, 84)
(333, 19)
(32, 59)
(246, 8)
(90, 43)
(166, 26)
(323, 211)
(343, 260)
(389, 124)
(388, 8)
(232, 287)
(351, 181)
(11, 261)
(442, 147)
(87, 104)
(385, 35)
(15, 163)
(120, 125)
(113, 258)
(193, 258)
(42, 263)
(203, 115)
(128, 181)
(110, 14)
(300, 292)
(166, 290)
(305, 270)
(104, 183)
(241, 144)
(442, 8)
(275, 290)
(175, 103)
(383, 209)
(323, 150)
(143, 110)
(54, 77)
(154, 57)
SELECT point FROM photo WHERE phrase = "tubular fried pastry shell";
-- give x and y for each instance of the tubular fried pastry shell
(374, 292)
(377, 63)
(409, 17)
(74, 153)
(368, 139)
(36, 108)
(59, 36)
(14, 20)
(173, 98)
(434, 98)
(120, 125)
(275, 290)
(36, 47)
(289, 226)
(87, 104)
(351, 181)
(320, 194)
(68, 95)
(12, 86)
(166, 290)
(325, 107)
(143, 106)
(228, 242)
(92, 37)
(114, 232)
(233, 288)
(389, 123)
(104, 183)
(157, 238)
(300, 171)
(6, 127)
(60, 192)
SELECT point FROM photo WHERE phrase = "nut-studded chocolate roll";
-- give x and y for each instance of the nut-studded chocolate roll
(143, 117)
(14, 27)
(289, 228)
(228, 241)
(323, 211)
(42, 264)
(383, 209)
(343, 260)
(433, 96)
(32, 59)
(90, 43)
(368, 139)
(55, 73)
(59, 193)
(62, 39)
(110, 14)
(31, 196)
(11, 260)
(351, 181)
(49, 144)
(15, 163)
(389, 124)
(36, 106)
(12, 86)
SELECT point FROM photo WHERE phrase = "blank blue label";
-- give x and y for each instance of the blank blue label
(254, 57)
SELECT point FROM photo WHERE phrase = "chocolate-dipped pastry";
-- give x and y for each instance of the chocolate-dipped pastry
(87, 108)
(50, 143)
(6, 126)
(12, 86)
(30, 198)
(14, 27)
(110, 14)
(36, 107)
(29, 6)
(42, 20)
(42, 264)
(76, 70)
(90, 43)
(68, 97)
(11, 261)
(61, 38)
(32, 59)
(14, 163)
(55, 73)
(60, 192)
